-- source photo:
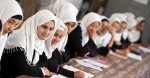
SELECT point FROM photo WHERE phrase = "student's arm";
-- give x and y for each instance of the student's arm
(124, 43)
(110, 44)
(57, 69)
(20, 64)
(76, 40)
(42, 61)
(59, 56)
(66, 55)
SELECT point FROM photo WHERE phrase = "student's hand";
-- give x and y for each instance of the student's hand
(60, 53)
(79, 74)
(123, 52)
(46, 71)
(111, 30)
(144, 44)
(118, 43)
(135, 45)
(87, 54)
(92, 35)
(131, 47)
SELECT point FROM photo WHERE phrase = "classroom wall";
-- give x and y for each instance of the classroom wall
(139, 9)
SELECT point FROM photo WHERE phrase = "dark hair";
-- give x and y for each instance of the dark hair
(142, 21)
(124, 22)
(0, 25)
(105, 20)
(19, 17)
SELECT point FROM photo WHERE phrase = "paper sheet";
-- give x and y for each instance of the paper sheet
(58, 76)
(88, 65)
(142, 1)
(95, 63)
(134, 56)
(118, 55)
(87, 75)
(144, 49)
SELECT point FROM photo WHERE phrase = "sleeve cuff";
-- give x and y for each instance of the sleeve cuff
(43, 72)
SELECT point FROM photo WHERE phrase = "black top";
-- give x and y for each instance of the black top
(74, 44)
(13, 63)
(124, 42)
(54, 67)
(57, 58)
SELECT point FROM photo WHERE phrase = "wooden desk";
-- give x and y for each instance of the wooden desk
(119, 68)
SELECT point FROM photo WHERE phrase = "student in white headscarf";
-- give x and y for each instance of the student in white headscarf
(103, 37)
(10, 18)
(81, 39)
(131, 24)
(69, 19)
(24, 50)
(118, 46)
(114, 24)
(134, 35)
(54, 56)
(59, 6)
(67, 12)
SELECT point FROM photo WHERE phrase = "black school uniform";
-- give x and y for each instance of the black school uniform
(53, 67)
(13, 64)
(74, 44)
(103, 50)
(57, 58)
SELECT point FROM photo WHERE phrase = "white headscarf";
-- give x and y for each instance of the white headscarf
(102, 40)
(139, 19)
(129, 15)
(122, 18)
(59, 6)
(134, 34)
(85, 22)
(132, 23)
(8, 8)
(66, 16)
(48, 48)
(113, 19)
(26, 37)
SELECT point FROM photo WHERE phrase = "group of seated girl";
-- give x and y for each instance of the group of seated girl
(52, 37)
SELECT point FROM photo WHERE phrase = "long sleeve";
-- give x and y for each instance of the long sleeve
(57, 69)
(54, 58)
(103, 50)
(19, 65)
(42, 61)
(74, 44)
(124, 43)
(65, 57)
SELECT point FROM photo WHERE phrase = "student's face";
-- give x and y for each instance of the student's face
(122, 27)
(114, 26)
(103, 28)
(93, 26)
(140, 26)
(10, 25)
(45, 30)
(70, 26)
(57, 37)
